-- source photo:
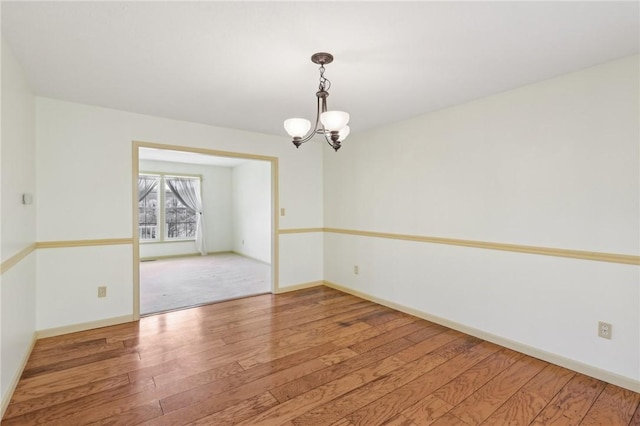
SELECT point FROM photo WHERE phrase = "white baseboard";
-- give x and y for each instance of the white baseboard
(177, 256)
(299, 287)
(588, 370)
(6, 398)
(57, 331)
(249, 257)
(168, 256)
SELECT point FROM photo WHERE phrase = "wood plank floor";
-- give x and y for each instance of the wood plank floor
(311, 357)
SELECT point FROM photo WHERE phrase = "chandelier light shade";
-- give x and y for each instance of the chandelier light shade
(342, 134)
(334, 120)
(333, 125)
(297, 127)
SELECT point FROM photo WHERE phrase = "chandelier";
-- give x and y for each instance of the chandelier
(331, 124)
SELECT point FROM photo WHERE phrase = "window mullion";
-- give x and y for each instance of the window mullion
(162, 213)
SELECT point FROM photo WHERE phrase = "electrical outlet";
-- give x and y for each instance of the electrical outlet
(604, 330)
(282, 211)
(356, 270)
(102, 291)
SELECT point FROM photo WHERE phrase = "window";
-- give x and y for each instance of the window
(148, 204)
(174, 221)
(180, 222)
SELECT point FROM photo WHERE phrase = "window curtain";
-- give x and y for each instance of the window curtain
(188, 192)
(146, 184)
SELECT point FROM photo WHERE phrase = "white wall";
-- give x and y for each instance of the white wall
(553, 164)
(216, 207)
(84, 161)
(18, 176)
(306, 250)
(251, 201)
(75, 273)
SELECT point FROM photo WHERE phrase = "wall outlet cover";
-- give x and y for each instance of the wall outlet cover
(604, 330)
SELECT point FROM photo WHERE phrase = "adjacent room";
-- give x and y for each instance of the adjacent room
(212, 244)
(329, 213)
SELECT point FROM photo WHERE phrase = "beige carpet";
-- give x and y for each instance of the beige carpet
(170, 284)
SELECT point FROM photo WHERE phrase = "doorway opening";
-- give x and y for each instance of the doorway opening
(204, 227)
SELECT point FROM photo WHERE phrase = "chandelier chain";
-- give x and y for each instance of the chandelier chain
(325, 84)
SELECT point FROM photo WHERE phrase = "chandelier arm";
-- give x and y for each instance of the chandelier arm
(327, 134)
(315, 129)
(335, 145)
(328, 139)
(321, 106)
(324, 131)
(325, 83)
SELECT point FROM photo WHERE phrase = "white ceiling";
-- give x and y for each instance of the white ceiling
(246, 65)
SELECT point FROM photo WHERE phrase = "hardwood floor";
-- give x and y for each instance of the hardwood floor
(311, 357)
